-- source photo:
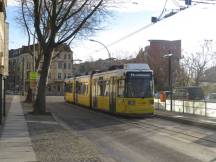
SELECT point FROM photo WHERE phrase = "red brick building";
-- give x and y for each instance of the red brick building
(159, 64)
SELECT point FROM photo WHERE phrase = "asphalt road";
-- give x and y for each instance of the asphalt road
(137, 140)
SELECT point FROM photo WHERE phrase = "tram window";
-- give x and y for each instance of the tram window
(79, 88)
(82, 88)
(106, 92)
(68, 87)
(121, 87)
(86, 87)
(103, 88)
(72, 88)
(139, 87)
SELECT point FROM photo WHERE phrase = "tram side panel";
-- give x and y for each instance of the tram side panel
(69, 91)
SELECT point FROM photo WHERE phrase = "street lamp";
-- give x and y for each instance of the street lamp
(169, 56)
(92, 40)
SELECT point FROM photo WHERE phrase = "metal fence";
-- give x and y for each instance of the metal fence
(203, 108)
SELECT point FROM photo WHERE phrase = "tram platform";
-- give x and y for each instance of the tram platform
(202, 121)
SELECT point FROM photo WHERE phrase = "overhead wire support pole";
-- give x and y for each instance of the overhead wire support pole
(169, 56)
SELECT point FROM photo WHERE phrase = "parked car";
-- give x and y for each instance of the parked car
(168, 94)
(211, 97)
(157, 95)
(188, 93)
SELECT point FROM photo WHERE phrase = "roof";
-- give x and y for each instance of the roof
(25, 49)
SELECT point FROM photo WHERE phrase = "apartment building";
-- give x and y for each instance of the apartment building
(21, 64)
(3, 55)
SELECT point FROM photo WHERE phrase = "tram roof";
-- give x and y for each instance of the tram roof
(127, 68)
(132, 67)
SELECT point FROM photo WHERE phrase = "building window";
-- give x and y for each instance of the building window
(14, 62)
(59, 88)
(69, 56)
(49, 88)
(65, 76)
(49, 76)
(65, 66)
(65, 56)
(27, 66)
(60, 65)
(59, 76)
(69, 65)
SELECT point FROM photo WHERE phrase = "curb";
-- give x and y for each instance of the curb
(184, 120)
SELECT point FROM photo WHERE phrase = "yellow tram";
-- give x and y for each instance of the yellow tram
(128, 90)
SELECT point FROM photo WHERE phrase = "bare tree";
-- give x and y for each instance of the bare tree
(57, 22)
(195, 64)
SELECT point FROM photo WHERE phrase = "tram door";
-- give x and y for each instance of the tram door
(76, 91)
(94, 94)
(113, 89)
(73, 90)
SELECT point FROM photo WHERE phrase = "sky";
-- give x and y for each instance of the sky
(192, 25)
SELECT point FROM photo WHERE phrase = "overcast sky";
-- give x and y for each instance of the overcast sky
(192, 26)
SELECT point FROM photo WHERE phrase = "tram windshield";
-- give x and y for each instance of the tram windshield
(139, 85)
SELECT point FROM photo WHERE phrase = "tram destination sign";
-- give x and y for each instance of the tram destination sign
(140, 75)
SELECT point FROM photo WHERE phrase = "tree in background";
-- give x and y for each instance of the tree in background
(195, 64)
(58, 22)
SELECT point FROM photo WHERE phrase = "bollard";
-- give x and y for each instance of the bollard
(183, 107)
(205, 108)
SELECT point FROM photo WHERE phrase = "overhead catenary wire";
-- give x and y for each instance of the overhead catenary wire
(203, 1)
(131, 34)
(142, 28)
(163, 10)
(127, 36)
(176, 3)
(138, 30)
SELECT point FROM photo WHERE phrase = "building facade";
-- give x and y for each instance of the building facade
(159, 64)
(3, 56)
(21, 64)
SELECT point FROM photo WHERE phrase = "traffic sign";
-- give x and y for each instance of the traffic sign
(33, 75)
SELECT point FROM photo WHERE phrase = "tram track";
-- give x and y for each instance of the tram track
(148, 125)
(138, 139)
(166, 130)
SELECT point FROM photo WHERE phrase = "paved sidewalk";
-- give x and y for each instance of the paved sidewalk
(207, 122)
(15, 143)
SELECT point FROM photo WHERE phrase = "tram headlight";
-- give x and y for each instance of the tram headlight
(131, 102)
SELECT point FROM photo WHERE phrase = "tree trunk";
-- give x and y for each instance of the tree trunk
(40, 102)
(29, 96)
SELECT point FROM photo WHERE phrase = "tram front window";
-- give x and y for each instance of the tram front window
(139, 85)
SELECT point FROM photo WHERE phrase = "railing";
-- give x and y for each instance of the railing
(194, 107)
